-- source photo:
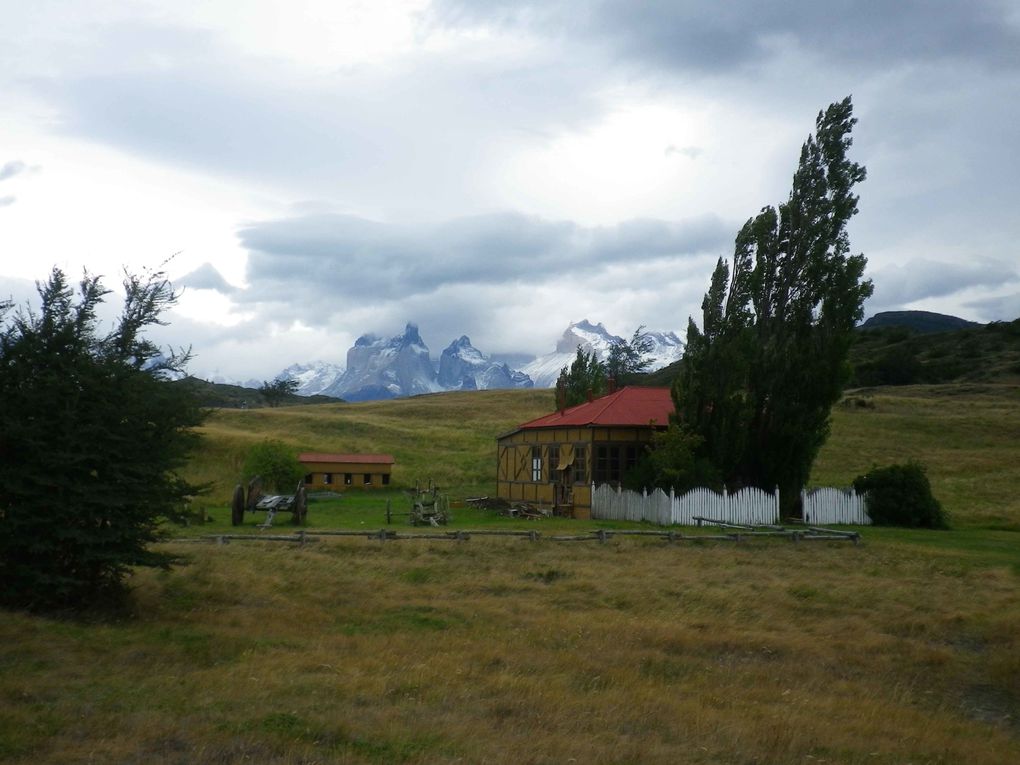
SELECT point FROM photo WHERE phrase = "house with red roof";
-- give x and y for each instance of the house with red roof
(555, 459)
(336, 472)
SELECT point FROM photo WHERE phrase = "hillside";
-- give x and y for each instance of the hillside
(923, 322)
(449, 437)
(966, 434)
(899, 356)
(915, 352)
(220, 395)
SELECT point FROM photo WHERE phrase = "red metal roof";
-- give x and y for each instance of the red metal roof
(629, 406)
(363, 459)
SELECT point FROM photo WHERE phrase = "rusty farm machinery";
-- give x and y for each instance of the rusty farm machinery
(429, 507)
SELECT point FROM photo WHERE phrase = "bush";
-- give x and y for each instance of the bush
(91, 438)
(276, 463)
(900, 495)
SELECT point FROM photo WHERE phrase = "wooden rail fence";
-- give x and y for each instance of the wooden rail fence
(728, 532)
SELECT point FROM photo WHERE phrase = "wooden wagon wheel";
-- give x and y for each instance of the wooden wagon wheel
(237, 506)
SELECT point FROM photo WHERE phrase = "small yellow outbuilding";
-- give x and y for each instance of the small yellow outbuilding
(336, 472)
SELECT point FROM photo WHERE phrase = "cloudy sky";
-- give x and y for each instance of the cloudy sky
(319, 170)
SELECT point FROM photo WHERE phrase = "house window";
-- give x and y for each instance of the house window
(385, 479)
(554, 461)
(348, 479)
(612, 462)
(308, 477)
(536, 464)
(327, 478)
(580, 464)
(367, 479)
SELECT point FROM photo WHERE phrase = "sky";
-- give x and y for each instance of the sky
(307, 172)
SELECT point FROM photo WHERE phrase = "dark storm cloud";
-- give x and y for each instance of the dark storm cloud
(1001, 308)
(730, 35)
(345, 255)
(897, 286)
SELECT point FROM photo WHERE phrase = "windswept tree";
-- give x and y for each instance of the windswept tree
(760, 376)
(91, 438)
(277, 391)
(630, 357)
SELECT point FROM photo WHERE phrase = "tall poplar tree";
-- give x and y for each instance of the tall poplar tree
(761, 375)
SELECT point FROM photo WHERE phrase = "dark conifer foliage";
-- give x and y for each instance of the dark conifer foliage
(91, 436)
(759, 379)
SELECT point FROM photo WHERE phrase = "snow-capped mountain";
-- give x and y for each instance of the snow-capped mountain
(666, 348)
(386, 368)
(591, 337)
(313, 377)
(220, 379)
(464, 367)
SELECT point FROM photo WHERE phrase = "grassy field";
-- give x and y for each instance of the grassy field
(905, 649)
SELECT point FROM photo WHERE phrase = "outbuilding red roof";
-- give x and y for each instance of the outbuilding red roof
(363, 459)
(630, 406)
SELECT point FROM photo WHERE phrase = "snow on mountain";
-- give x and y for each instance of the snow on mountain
(464, 367)
(386, 368)
(220, 379)
(666, 348)
(591, 337)
(312, 378)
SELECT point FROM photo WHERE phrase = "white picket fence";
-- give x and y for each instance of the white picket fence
(749, 506)
(829, 506)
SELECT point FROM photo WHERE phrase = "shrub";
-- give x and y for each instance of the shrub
(900, 495)
(276, 462)
(91, 438)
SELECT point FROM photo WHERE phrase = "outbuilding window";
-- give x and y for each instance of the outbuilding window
(536, 464)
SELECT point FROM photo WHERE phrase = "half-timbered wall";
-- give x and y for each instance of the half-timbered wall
(543, 454)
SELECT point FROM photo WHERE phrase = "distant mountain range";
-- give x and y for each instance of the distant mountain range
(381, 368)
(666, 348)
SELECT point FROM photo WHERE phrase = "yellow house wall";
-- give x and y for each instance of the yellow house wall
(339, 470)
(513, 473)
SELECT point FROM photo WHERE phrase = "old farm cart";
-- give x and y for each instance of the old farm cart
(271, 504)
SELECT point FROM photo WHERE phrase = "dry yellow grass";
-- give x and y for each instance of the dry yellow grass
(903, 650)
(507, 651)
(449, 437)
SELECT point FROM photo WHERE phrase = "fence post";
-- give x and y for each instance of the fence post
(779, 518)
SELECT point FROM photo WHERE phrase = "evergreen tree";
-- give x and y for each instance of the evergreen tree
(761, 375)
(586, 376)
(91, 436)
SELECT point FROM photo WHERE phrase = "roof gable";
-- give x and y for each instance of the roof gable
(630, 406)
